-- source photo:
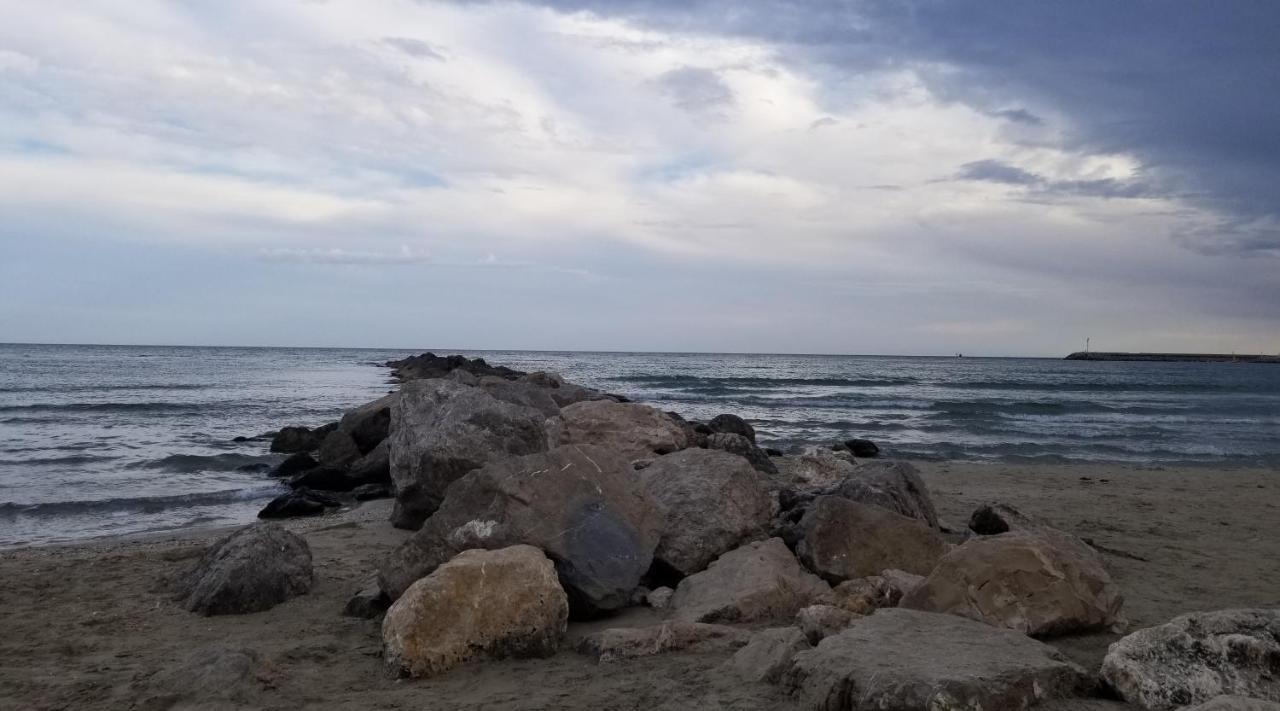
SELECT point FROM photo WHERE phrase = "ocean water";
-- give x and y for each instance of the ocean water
(106, 440)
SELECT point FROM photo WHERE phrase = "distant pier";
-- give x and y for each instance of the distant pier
(1176, 357)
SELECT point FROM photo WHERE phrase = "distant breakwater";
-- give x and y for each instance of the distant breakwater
(1176, 357)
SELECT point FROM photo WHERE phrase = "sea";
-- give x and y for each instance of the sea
(108, 440)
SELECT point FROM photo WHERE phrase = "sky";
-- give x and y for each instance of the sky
(994, 178)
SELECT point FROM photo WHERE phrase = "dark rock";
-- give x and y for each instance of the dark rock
(374, 467)
(581, 505)
(1197, 657)
(440, 431)
(712, 502)
(240, 439)
(768, 655)
(369, 492)
(893, 485)
(300, 502)
(741, 446)
(324, 479)
(732, 424)
(995, 518)
(369, 424)
(561, 391)
(864, 448)
(773, 452)
(902, 659)
(338, 450)
(520, 392)
(368, 602)
(430, 365)
(253, 569)
(841, 539)
(296, 464)
(296, 439)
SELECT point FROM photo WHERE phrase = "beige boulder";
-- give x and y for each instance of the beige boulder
(1034, 583)
(631, 430)
(495, 604)
(756, 582)
(818, 622)
(862, 596)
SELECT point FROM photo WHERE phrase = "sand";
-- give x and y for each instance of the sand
(91, 626)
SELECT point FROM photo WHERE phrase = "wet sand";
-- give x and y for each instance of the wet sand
(92, 626)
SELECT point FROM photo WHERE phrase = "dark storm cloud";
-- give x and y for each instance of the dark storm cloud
(1192, 88)
(994, 171)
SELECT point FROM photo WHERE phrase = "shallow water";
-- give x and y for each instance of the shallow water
(102, 440)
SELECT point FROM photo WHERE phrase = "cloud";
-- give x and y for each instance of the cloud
(414, 47)
(813, 176)
(695, 89)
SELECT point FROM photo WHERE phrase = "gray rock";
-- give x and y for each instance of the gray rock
(581, 505)
(440, 430)
(338, 450)
(561, 391)
(712, 502)
(374, 467)
(631, 430)
(768, 655)
(482, 604)
(253, 569)
(295, 464)
(732, 424)
(1196, 657)
(756, 582)
(903, 659)
(741, 446)
(1035, 583)
(324, 478)
(994, 518)
(892, 485)
(840, 539)
(369, 424)
(814, 470)
(369, 492)
(520, 392)
(619, 643)
(430, 365)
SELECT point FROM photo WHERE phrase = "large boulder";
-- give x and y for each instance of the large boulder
(253, 569)
(495, 604)
(841, 539)
(1032, 582)
(743, 447)
(892, 485)
(813, 470)
(581, 505)
(904, 659)
(861, 448)
(732, 424)
(440, 430)
(756, 582)
(1230, 702)
(712, 501)
(338, 450)
(369, 424)
(618, 643)
(520, 392)
(1197, 657)
(632, 430)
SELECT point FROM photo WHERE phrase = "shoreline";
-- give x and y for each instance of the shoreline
(92, 625)
(926, 465)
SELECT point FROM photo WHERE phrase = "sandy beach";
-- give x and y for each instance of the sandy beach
(92, 626)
